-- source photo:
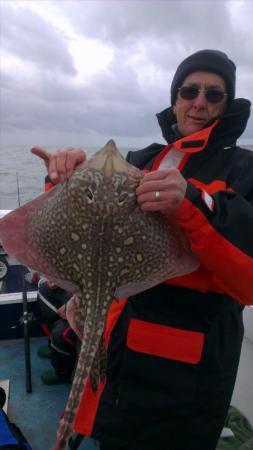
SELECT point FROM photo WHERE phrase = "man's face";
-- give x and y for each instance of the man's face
(192, 115)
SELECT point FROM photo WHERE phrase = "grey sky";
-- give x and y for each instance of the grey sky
(79, 72)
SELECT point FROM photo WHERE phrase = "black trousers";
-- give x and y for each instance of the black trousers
(157, 403)
(63, 340)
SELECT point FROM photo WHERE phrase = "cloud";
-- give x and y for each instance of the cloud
(115, 103)
(31, 38)
(103, 68)
(121, 21)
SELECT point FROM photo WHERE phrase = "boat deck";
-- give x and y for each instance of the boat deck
(36, 413)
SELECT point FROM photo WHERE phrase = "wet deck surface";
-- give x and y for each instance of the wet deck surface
(37, 413)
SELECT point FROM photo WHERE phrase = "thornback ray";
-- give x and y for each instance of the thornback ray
(89, 235)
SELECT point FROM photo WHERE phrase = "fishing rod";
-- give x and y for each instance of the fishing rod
(25, 319)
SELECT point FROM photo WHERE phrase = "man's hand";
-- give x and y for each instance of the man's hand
(62, 312)
(61, 163)
(161, 190)
(74, 320)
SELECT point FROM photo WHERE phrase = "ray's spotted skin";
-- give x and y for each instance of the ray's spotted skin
(90, 236)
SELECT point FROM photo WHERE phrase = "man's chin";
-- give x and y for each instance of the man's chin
(193, 129)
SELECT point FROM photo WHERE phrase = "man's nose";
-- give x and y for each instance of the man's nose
(200, 101)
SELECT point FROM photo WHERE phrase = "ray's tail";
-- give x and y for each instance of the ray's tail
(90, 344)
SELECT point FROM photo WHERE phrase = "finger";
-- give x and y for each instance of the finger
(61, 162)
(74, 158)
(69, 165)
(151, 186)
(156, 175)
(52, 168)
(154, 206)
(156, 196)
(41, 153)
(149, 197)
(65, 161)
(49, 161)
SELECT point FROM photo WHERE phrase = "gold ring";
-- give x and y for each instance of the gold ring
(157, 195)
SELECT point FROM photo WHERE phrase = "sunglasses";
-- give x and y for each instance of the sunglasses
(212, 95)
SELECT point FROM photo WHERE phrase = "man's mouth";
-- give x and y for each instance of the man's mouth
(197, 119)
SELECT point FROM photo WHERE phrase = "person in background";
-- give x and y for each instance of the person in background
(173, 352)
(62, 343)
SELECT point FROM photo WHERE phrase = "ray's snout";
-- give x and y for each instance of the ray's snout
(111, 146)
(108, 160)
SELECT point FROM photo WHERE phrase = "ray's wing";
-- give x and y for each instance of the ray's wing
(151, 251)
(37, 235)
(14, 232)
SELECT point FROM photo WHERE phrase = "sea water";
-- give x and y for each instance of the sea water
(22, 175)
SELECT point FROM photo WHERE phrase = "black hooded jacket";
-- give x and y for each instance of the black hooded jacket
(220, 171)
(230, 127)
(168, 347)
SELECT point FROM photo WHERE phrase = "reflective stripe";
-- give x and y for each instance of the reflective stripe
(172, 159)
(59, 350)
(208, 200)
(49, 305)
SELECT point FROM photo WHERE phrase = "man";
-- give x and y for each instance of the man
(174, 350)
